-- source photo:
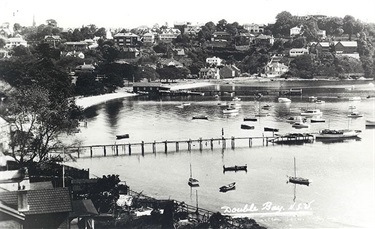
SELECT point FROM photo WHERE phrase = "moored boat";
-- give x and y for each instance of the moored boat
(235, 168)
(370, 123)
(312, 112)
(228, 187)
(122, 136)
(336, 134)
(284, 100)
(355, 98)
(317, 119)
(247, 127)
(269, 129)
(250, 119)
(200, 117)
(294, 119)
(300, 125)
(355, 114)
(298, 180)
(230, 110)
(320, 101)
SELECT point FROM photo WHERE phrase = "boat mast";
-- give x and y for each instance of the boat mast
(191, 173)
(295, 168)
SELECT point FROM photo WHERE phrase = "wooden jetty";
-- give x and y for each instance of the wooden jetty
(167, 146)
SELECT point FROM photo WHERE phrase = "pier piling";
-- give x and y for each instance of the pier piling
(143, 148)
(130, 149)
(105, 151)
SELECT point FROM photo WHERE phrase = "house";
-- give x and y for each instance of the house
(168, 35)
(76, 45)
(85, 68)
(264, 39)
(52, 40)
(15, 41)
(254, 28)
(275, 69)
(179, 52)
(229, 71)
(295, 31)
(213, 61)
(151, 88)
(298, 52)
(126, 40)
(42, 208)
(346, 47)
(148, 38)
(321, 34)
(323, 47)
(220, 36)
(209, 73)
(169, 62)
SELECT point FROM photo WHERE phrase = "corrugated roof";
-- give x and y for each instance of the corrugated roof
(42, 201)
(83, 208)
(349, 43)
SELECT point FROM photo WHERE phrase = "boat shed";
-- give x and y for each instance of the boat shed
(150, 88)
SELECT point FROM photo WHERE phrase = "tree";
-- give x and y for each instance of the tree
(37, 123)
(20, 51)
(284, 22)
(51, 22)
(299, 42)
(2, 43)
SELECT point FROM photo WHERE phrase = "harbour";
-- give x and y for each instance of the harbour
(340, 171)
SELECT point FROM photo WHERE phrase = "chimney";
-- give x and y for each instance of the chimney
(22, 200)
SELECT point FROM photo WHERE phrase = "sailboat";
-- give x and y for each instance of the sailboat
(298, 180)
(192, 181)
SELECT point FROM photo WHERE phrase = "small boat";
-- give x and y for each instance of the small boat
(266, 107)
(180, 106)
(320, 101)
(355, 114)
(236, 99)
(186, 104)
(284, 100)
(235, 168)
(200, 117)
(294, 119)
(370, 123)
(250, 119)
(247, 127)
(228, 187)
(122, 136)
(298, 180)
(317, 119)
(268, 129)
(192, 181)
(300, 125)
(336, 134)
(312, 112)
(355, 98)
(312, 98)
(235, 105)
(230, 110)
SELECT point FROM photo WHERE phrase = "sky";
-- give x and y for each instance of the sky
(133, 13)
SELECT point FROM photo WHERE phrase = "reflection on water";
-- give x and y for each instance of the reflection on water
(341, 172)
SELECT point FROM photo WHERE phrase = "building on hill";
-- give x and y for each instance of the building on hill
(15, 41)
(264, 39)
(213, 61)
(220, 36)
(76, 46)
(322, 47)
(148, 38)
(298, 52)
(347, 48)
(126, 40)
(295, 31)
(322, 34)
(209, 73)
(275, 68)
(52, 40)
(254, 28)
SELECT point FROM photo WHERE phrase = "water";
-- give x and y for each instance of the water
(342, 191)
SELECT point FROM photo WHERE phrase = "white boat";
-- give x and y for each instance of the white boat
(312, 98)
(317, 119)
(236, 99)
(284, 100)
(235, 105)
(336, 134)
(300, 125)
(355, 114)
(230, 110)
(186, 104)
(312, 112)
(355, 98)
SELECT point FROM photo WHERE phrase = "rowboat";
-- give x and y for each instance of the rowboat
(122, 136)
(247, 127)
(200, 117)
(312, 112)
(271, 129)
(250, 119)
(228, 187)
(235, 168)
(230, 110)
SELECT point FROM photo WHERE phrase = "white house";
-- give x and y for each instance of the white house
(14, 42)
(214, 61)
(4, 134)
(298, 52)
(295, 31)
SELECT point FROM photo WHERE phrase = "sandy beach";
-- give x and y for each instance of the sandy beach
(86, 102)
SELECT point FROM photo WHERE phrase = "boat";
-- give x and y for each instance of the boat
(355, 98)
(122, 136)
(228, 187)
(312, 112)
(269, 129)
(300, 125)
(192, 181)
(352, 107)
(236, 99)
(312, 98)
(230, 110)
(294, 119)
(250, 119)
(235, 105)
(320, 101)
(247, 127)
(370, 123)
(298, 180)
(186, 104)
(180, 106)
(200, 117)
(266, 107)
(336, 134)
(293, 139)
(284, 100)
(317, 119)
(235, 168)
(355, 114)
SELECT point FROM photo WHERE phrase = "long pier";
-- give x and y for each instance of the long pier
(171, 146)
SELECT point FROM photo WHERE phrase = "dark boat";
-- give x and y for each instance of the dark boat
(122, 136)
(247, 127)
(271, 129)
(235, 168)
(192, 181)
(200, 117)
(228, 187)
(250, 119)
(298, 180)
